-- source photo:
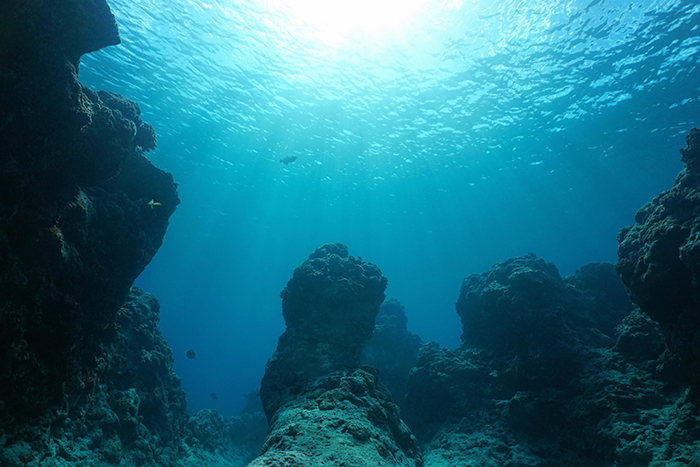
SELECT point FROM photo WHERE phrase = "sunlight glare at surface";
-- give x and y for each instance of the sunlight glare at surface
(337, 21)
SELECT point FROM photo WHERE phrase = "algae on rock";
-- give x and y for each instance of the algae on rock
(325, 410)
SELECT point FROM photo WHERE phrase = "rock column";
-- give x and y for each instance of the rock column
(323, 409)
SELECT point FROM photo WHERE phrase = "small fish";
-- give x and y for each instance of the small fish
(288, 160)
(214, 396)
(190, 354)
(154, 204)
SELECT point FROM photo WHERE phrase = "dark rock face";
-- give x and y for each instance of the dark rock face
(393, 349)
(323, 409)
(129, 408)
(35, 32)
(659, 261)
(82, 210)
(552, 371)
(329, 306)
(537, 324)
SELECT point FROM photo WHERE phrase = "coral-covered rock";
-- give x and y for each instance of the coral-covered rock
(84, 380)
(659, 261)
(639, 338)
(534, 323)
(130, 410)
(329, 306)
(78, 214)
(233, 441)
(515, 301)
(126, 108)
(444, 386)
(127, 408)
(549, 373)
(393, 349)
(146, 137)
(323, 409)
(342, 418)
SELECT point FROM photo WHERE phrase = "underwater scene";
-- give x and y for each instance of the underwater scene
(439, 233)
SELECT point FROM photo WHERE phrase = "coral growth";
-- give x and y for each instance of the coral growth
(319, 402)
(329, 306)
(551, 371)
(146, 137)
(75, 227)
(128, 409)
(659, 262)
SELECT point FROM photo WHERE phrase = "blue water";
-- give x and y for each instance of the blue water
(434, 139)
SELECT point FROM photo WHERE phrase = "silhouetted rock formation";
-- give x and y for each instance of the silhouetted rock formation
(535, 323)
(323, 409)
(659, 261)
(329, 306)
(84, 380)
(76, 226)
(549, 373)
(393, 349)
(130, 410)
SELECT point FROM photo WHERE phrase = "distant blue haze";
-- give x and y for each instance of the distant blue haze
(480, 131)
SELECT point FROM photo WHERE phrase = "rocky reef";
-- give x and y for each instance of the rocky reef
(324, 410)
(86, 376)
(551, 371)
(82, 210)
(393, 349)
(130, 410)
(127, 409)
(659, 262)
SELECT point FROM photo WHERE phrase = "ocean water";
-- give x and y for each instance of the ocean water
(434, 138)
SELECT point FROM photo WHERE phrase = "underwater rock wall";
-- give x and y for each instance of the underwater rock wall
(659, 262)
(85, 380)
(551, 371)
(130, 410)
(82, 212)
(323, 409)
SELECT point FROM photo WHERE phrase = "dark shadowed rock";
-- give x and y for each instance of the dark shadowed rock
(329, 306)
(323, 409)
(535, 323)
(639, 339)
(549, 373)
(393, 349)
(35, 31)
(659, 261)
(78, 214)
(130, 410)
